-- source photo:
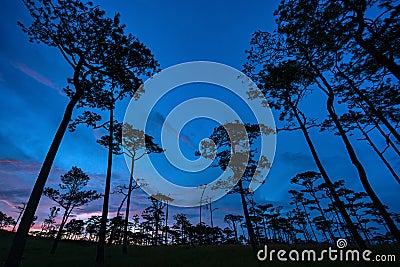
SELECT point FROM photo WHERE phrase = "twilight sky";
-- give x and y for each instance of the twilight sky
(32, 103)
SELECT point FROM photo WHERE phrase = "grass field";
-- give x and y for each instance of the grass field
(75, 253)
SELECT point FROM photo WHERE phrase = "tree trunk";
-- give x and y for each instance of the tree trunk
(128, 204)
(371, 106)
(380, 58)
(155, 238)
(250, 229)
(19, 241)
(309, 221)
(368, 46)
(103, 225)
(323, 215)
(235, 231)
(387, 138)
(166, 224)
(360, 169)
(380, 154)
(211, 216)
(19, 217)
(212, 223)
(338, 202)
(112, 235)
(59, 233)
(200, 213)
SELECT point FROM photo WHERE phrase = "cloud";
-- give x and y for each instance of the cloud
(8, 165)
(36, 76)
(157, 121)
(299, 160)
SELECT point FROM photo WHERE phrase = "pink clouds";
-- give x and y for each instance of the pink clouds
(7, 165)
(36, 76)
(28, 167)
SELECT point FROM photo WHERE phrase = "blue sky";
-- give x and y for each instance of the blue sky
(31, 78)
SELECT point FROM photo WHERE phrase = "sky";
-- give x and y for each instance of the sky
(32, 103)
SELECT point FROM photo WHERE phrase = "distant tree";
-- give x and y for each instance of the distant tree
(5, 221)
(93, 227)
(117, 230)
(243, 157)
(228, 237)
(74, 228)
(48, 225)
(182, 224)
(263, 212)
(308, 181)
(355, 203)
(233, 220)
(21, 210)
(300, 204)
(70, 195)
(211, 209)
(166, 200)
(121, 189)
(136, 144)
(154, 215)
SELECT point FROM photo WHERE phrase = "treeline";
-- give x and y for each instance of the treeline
(312, 217)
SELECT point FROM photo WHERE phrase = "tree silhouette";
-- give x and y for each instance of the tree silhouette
(70, 195)
(341, 28)
(48, 225)
(154, 215)
(21, 209)
(308, 180)
(74, 228)
(93, 227)
(182, 224)
(233, 220)
(234, 142)
(92, 45)
(322, 59)
(121, 189)
(136, 144)
(5, 221)
(166, 200)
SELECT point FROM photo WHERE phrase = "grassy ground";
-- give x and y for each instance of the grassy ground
(73, 254)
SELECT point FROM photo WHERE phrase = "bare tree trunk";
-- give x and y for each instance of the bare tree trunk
(368, 46)
(19, 216)
(166, 224)
(250, 229)
(112, 235)
(211, 215)
(103, 225)
(379, 128)
(19, 241)
(360, 169)
(371, 106)
(59, 233)
(338, 202)
(309, 222)
(235, 231)
(323, 215)
(380, 154)
(128, 203)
